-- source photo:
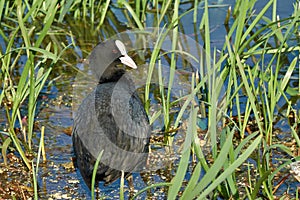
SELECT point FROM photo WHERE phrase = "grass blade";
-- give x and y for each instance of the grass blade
(231, 168)
(94, 174)
(184, 161)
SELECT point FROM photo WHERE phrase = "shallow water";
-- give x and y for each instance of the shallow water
(57, 179)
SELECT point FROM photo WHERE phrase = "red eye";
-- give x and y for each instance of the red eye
(115, 51)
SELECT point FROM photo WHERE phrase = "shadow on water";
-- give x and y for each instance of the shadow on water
(57, 178)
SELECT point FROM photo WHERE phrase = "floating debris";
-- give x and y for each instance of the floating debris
(295, 169)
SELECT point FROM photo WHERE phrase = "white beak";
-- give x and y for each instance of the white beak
(126, 60)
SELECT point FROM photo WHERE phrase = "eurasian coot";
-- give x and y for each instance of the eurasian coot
(112, 118)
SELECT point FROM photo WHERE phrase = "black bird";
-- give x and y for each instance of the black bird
(112, 118)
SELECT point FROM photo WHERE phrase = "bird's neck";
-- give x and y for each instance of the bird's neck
(120, 78)
(111, 74)
(112, 77)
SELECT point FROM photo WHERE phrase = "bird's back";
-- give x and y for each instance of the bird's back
(113, 119)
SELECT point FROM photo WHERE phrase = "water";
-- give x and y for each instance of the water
(57, 179)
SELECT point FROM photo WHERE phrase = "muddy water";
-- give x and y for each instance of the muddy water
(57, 179)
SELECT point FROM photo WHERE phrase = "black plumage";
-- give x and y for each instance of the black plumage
(112, 118)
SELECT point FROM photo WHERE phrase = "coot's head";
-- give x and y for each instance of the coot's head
(106, 58)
